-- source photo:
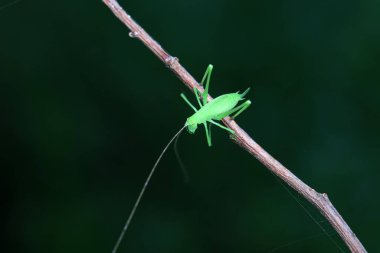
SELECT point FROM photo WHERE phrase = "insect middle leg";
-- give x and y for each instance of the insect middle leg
(197, 95)
(223, 127)
(206, 77)
(208, 133)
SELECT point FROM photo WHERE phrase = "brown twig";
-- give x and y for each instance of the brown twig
(319, 200)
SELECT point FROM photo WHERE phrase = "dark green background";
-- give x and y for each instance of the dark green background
(85, 111)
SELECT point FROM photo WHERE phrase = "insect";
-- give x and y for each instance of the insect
(216, 109)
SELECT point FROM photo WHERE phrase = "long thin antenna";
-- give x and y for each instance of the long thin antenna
(299, 241)
(321, 201)
(309, 214)
(142, 192)
(185, 173)
(9, 4)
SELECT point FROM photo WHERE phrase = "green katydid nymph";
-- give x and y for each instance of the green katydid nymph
(218, 108)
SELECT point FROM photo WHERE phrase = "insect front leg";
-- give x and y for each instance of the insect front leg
(188, 102)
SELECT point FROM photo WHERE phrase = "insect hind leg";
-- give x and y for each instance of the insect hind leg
(242, 108)
(239, 110)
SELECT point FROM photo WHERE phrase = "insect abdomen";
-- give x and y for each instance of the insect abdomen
(211, 110)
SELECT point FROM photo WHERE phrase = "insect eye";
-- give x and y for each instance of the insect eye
(191, 128)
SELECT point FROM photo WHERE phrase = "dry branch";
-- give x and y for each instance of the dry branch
(319, 200)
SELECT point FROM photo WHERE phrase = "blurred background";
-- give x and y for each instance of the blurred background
(85, 110)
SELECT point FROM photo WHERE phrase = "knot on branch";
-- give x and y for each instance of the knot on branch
(172, 62)
(134, 34)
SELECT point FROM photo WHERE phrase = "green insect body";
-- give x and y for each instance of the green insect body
(216, 109)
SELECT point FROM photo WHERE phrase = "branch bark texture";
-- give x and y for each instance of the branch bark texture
(319, 200)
